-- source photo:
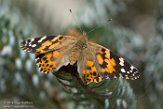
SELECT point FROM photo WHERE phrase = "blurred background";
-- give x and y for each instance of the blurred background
(136, 33)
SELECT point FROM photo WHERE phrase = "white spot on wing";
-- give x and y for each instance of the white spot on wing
(108, 77)
(121, 61)
(34, 45)
(42, 39)
(132, 67)
(32, 39)
(100, 79)
(127, 77)
(123, 70)
(30, 43)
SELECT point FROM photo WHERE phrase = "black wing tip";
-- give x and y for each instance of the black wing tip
(24, 47)
(22, 44)
(135, 75)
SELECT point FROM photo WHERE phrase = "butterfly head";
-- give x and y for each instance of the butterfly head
(83, 40)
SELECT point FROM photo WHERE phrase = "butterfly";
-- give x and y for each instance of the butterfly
(94, 62)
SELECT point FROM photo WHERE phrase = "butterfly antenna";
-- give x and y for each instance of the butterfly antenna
(109, 20)
(76, 21)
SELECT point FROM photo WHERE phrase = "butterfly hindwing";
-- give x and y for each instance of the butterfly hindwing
(47, 62)
(52, 61)
(87, 68)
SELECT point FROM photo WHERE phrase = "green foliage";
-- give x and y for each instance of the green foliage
(153, 73)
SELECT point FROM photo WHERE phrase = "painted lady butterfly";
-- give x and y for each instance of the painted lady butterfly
(94, 62)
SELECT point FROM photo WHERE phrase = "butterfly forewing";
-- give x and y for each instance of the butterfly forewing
(46, 43)
(52, 52)
(113, 66)
(103, 64)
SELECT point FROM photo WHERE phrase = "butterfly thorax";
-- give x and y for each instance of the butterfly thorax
(82, 42)
(78, 47)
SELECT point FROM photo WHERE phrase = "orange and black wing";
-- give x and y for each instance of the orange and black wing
(113, 66)
(104, 64)
(52, 61)
(51, 51)
(46, 44)
(88, 70)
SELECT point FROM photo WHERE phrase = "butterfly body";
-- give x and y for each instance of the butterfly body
(79, 46)
(94, 62)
